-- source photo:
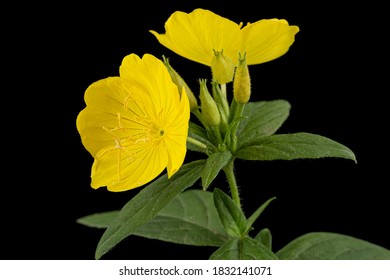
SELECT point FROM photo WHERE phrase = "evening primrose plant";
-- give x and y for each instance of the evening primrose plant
(147, 119)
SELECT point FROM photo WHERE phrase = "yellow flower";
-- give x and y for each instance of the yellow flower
(134, 125)
(201, 33)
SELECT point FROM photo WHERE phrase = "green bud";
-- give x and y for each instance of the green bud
(242, 83)
(222, 68)
(180, 83)
(210, 113)
(222, 104)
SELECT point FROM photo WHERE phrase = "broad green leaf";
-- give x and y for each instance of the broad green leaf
(243, 249)
(214, 164)
(256, 214)
(198, 133)
(232, 217)
(98, 220)
(294, 146)
(264, 237)
(331, 246)
(147, 204)
(190, 219)
(264, 118)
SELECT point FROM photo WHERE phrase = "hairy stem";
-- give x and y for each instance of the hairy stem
(229, 172)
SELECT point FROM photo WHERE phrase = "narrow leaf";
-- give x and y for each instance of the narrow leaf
(214, 164)
(198, 133)
(147, 204)
(98, 220)
(231, 215)
(243, 249)
(264, 237)
(264, 118)
(331, 246)
(190, 219)
(256, 214)
(294, 146)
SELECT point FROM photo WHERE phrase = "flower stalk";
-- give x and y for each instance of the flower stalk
(237, 110)
(229, 172)
(197, 143)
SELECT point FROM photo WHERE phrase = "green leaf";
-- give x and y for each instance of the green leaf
(98, 220)
(264, 237)
(147, 204)
(264, 118)
(256, 214)
(331, 246)
(214, 164)
(190, 219)
(294, 146)
(231, 215)
(243, 249)
(198, 133)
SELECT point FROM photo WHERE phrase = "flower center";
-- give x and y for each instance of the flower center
(156, 132)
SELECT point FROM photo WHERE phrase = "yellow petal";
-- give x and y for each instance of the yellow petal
(121, 168)
(111, 106)
(196, 35)
(176, 138)
(103, 99)
(267, 39)
(93, 136)
(150, 74)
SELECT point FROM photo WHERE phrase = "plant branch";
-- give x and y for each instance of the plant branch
(229, 172)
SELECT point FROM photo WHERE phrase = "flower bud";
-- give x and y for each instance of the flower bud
(222, 104)
(242, 82)
(180, 83)
(210, 113)
(222, 68)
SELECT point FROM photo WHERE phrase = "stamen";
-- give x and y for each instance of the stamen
(119, 120)
(126, 100)
(118, 144)
(118, 169)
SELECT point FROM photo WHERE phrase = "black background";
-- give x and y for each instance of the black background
(332, 76)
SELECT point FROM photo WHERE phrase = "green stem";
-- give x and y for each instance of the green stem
(223, 89)
(237, 113)
(224, 102)
(217, 134)
(229, 172)
(196, 142)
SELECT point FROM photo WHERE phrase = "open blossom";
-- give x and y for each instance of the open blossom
(200, 34)
(134, 125)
